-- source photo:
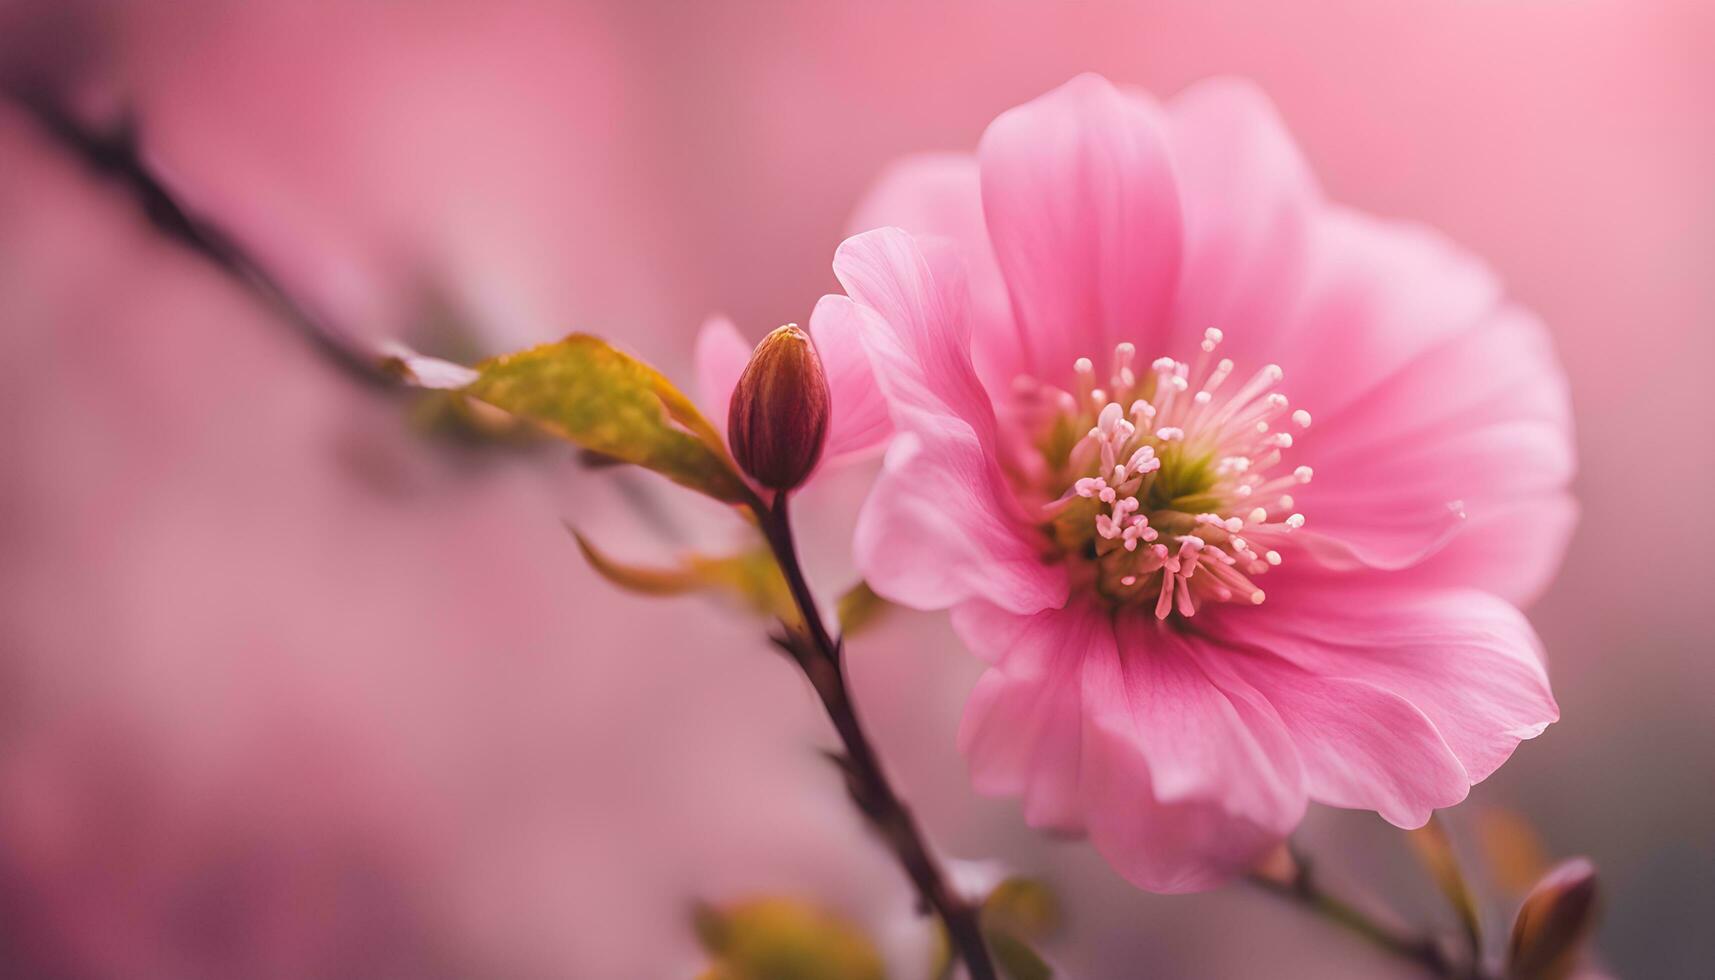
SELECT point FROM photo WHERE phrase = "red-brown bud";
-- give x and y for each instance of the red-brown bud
(1556, 918)
(778, 418)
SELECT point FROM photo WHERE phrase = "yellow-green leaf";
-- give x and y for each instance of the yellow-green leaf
(1015, 957)
(584, 390)
(751, 577)
(1017, 914)
(784, 939)
(1024, 907)
(860, 608)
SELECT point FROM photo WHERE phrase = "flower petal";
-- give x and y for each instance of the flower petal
(1116, 730)
(940, 525)
(1361, 745)
(1186, 782)
(720, 356)
(1466, 659)
(1512, 549)
(935, 530)
(1023, 726)
(939, 195)
(1083, 210)
(924, 358)
(860, 422)
(1477, 430)
(1376, 296)
(1249, 200)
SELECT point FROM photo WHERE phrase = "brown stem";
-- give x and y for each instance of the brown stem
(818, 653)
(1302, 889)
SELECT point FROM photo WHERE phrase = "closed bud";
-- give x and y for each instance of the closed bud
(1556, 918)
(778, 419)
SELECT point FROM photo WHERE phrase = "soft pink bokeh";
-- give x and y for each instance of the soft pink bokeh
(291, 692)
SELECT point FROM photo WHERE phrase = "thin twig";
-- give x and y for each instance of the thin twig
(1302, 889)
(115, 153)
(818, 654)
(1436, 847)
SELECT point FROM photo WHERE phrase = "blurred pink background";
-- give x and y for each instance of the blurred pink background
(289, 690)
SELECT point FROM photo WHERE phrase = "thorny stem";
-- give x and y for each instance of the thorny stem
(115, 153)
(819, 654)
(1302, 889)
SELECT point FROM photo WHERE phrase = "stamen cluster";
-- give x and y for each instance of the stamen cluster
(1164, 488)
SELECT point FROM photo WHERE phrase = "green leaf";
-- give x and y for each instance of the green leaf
(860, 608)
(584, 390)
(752, 577)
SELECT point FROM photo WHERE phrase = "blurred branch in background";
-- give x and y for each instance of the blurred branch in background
(115, 152)
(1550, 934)
(1290, 876)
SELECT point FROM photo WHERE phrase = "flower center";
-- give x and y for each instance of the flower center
(1164, 488)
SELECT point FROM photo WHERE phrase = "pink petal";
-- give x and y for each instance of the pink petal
(1476, 430)
(1179, 782)
(1083, 210)
(720, 357)
(1251, 213)
(860, 423)
(936, 530)
(1510, 549)
(939, 195)
(940, 525)
(1361, 745)
(1376, 296)
(926, 351)
(1466, 659)
(1186, 782)
(1249, 200)
(1023, 727)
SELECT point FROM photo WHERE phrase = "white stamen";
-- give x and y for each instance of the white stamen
(1180, 558)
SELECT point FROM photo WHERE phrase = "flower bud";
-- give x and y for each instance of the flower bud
(1556, 917)
(778, 418)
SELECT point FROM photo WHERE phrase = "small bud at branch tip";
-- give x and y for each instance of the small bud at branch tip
(778, 418)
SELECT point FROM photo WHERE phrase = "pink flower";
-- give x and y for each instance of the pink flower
(1203, 603)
